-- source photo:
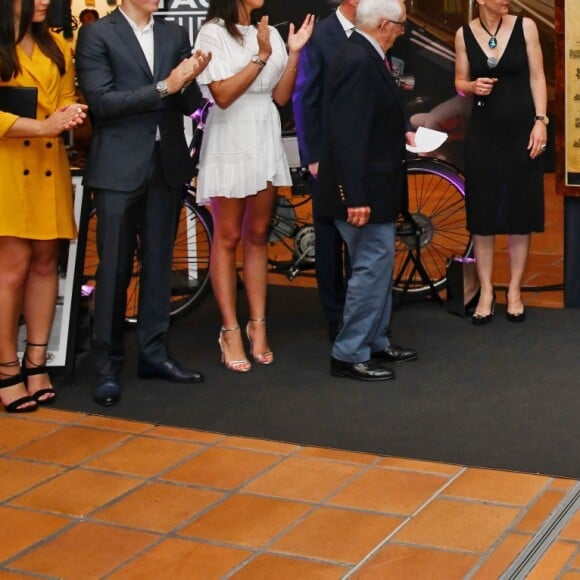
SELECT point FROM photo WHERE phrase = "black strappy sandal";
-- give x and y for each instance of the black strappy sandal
(40, 369)
(10, 381)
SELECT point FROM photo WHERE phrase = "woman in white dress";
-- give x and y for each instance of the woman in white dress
(242, 160)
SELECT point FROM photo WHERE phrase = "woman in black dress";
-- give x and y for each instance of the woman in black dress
(499, 63)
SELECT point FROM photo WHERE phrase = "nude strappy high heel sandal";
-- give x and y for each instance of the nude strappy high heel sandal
(262, 358)
(239, 366)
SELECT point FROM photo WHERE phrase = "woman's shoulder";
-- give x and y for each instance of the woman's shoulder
(213, 26)
(59, 39)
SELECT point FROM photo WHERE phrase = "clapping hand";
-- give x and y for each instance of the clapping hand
(297, 39)
(66, 118)
(264, 46)
(202, 60)
(186, 71)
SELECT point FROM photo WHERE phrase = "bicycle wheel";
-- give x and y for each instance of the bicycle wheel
(437, 205)
(190, 265)
(290, 240)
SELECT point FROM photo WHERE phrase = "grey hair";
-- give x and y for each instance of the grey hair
(369, 13)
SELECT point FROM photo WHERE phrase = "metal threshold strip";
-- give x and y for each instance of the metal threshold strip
(545, 537)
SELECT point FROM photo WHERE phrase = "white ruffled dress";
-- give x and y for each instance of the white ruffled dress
(242, 145)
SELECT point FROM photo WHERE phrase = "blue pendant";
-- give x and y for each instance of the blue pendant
(492, 42)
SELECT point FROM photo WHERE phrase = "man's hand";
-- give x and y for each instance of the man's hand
(186, 71)
(358, 216)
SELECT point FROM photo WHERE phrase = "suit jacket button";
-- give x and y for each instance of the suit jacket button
(26, 172)
(26, 143)
(48, 146)
(48, 173)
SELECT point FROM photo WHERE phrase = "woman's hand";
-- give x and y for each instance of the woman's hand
(264, 46)
(296, 40)
(538, 139)
(65, 119)
(483, 86)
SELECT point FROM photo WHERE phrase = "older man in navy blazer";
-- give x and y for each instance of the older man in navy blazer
(363, 185)
(136, 74)
(315, 60)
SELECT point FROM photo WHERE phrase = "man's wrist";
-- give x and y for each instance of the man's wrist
(162, 89)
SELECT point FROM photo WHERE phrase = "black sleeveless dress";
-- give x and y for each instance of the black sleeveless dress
(504, 187)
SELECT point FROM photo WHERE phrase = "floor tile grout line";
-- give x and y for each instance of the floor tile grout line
(32, 547)
(512, 530)
(545, 537)
(386, 540)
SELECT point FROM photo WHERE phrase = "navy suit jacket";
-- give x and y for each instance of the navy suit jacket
(363, 152)
(315, 60)
(125, 108)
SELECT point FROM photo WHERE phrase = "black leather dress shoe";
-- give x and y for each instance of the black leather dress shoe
(169, 370)
(362, 371)
(107, 392)
(396, 354)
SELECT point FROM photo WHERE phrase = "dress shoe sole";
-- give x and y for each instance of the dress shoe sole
(346, 374)
(382, 359)
(148, 377)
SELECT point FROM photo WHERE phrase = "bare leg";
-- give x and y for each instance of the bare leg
(484, 248)
(40, 295)
(255, 239)
(227, 216)
(14, 263)
(519, 247)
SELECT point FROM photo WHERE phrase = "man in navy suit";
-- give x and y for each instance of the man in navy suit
(136, 74)
(315, 60)
(363, 184)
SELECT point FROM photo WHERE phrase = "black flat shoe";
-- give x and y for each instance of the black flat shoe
(395, 354)
(482, 319)
(520, 317)
(362, 371)
(168, 370)
(107, 391)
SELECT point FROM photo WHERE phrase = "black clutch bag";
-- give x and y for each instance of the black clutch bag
(19, 101)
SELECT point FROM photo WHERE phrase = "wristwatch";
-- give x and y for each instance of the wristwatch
(162, 89)
(256, 59)
(542, 118)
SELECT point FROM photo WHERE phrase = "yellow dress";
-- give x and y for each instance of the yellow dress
(36, 199)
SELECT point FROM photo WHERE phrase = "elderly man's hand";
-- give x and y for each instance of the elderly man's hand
(358, 216)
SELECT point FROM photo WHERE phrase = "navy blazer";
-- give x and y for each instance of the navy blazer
(315, 60)
(363, 153)
(125, 108)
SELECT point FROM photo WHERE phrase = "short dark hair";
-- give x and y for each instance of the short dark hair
(88, 11)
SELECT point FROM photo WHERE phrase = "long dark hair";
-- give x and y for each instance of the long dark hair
(9, 38)
(227, 10)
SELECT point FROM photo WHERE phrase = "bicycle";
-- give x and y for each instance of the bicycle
(433, 230)
(190, 264)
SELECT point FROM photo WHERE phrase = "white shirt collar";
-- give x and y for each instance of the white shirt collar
(134, 25)
(344, 22)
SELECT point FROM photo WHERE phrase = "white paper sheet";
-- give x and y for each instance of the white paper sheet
(427, 140)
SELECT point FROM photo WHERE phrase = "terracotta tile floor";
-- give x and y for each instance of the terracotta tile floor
(93, 497)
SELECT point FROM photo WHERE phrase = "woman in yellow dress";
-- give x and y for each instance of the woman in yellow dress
(35, 194)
